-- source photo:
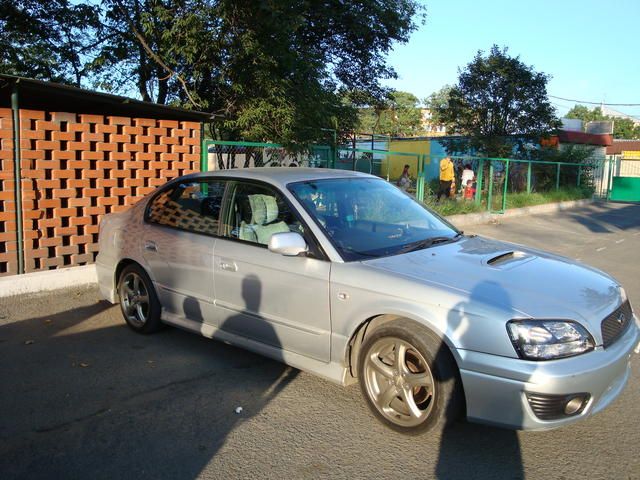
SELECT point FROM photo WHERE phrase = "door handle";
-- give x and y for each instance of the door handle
(229, 266)
(150, 246)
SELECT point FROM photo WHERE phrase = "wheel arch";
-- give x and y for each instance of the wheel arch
(366, 327)
(122, 264)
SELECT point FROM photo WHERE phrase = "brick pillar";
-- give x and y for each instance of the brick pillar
(8, 221)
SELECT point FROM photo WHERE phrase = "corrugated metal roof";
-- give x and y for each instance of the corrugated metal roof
(620, 146)
(49, 96)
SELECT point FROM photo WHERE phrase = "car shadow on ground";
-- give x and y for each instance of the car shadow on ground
(470, 450)
(84, 396)
(474, 451)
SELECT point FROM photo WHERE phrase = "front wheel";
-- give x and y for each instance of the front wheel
(138, 300)
(409, 378)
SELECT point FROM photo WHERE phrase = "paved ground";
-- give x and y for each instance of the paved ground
(83, 397)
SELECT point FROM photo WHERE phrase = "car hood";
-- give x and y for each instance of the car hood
(527, 282)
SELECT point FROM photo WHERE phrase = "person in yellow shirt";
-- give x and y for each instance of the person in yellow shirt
(446, 177)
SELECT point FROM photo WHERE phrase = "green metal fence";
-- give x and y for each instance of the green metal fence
(495, 178)
(498, 178)
(221, 155)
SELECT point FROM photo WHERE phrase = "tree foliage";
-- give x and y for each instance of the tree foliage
(499, 104)
(622, 127)
(48, 40)
(268, 70)
(583, 113)
(399, 115)
(437, 102)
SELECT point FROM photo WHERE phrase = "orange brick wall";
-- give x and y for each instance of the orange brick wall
(76, 168)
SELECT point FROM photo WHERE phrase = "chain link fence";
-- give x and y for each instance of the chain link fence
(223, 155)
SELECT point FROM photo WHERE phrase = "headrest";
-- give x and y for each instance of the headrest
(264, 209)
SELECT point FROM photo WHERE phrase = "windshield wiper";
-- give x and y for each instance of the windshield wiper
(428, 242)
(358, 252)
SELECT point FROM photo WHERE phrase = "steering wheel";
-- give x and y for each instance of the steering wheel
(209, 207)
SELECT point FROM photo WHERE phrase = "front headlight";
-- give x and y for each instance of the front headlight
(548, 339)
(623, 294)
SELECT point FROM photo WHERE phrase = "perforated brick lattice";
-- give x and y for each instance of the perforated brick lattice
(170, 213)
(76, 168)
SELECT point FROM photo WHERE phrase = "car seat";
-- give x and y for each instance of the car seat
(262, 224)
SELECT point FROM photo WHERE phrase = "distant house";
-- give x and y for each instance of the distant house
(598, 136)
(610, 112)
(625, 155)
(624, 147)
(429, 126)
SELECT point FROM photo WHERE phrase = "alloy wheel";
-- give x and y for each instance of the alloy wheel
(134, 299)
(399, 382)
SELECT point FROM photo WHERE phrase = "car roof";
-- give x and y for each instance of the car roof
(281, 175)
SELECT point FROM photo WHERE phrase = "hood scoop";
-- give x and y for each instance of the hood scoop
(508, 258)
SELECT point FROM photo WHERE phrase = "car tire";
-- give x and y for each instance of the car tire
(138, 300)
(422, 392)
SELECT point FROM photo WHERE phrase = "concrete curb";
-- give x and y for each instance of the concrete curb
(467, 219)
(48, 281)
(86, 275)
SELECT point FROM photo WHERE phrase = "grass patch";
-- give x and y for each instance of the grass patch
(518, 200)
(454, 207)
(514, 200)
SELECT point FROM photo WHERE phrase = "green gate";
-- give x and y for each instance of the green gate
(625, 185)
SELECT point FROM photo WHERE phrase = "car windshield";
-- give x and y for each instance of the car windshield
(367, 217)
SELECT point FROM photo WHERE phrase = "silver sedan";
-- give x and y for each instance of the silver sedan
(343, 275)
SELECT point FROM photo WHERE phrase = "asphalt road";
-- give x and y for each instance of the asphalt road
(84, 397)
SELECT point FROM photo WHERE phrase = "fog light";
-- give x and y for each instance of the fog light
(555, 407)
(574, 405)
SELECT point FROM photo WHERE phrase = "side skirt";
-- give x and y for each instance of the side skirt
(331, 371)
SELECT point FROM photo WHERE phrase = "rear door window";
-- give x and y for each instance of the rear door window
(193, 206)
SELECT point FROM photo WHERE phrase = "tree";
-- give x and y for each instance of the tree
(622, 127)
(48, 40)
(399, 115)
(499, 105)
(278, 70)
(438, 101)
(583, 113)
(625, 128)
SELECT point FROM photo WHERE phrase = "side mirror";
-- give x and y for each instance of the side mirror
(287, 243)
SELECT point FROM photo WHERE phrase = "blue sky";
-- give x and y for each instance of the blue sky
(590, 48)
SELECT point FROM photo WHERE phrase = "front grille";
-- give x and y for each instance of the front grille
(616, 324)
(551, 407)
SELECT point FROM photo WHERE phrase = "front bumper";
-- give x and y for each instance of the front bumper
(495, 386)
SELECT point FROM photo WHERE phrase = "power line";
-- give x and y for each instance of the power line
(635, 117)
(597, 103)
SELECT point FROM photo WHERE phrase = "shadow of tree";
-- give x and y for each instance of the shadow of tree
(600, 218)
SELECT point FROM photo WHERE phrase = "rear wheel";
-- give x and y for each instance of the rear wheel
(409, 378)
(138, 300)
